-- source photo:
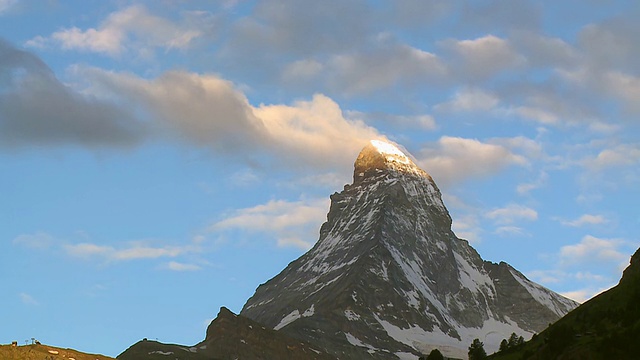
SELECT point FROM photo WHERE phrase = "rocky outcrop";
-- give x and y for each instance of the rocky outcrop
(230, 337)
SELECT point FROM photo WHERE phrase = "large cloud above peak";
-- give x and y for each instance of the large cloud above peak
(455, 159)
(208, 111)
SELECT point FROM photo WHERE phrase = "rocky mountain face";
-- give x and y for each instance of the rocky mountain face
(389, 279)
(230, 337)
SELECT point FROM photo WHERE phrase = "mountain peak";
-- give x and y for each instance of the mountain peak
(388, 278)
(379, 156)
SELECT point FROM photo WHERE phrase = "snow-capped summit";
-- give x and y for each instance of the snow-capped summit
(381, 155)
(389, 279)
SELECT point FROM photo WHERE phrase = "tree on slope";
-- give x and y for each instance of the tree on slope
(476, 350)
(504, 345)
(435, 354)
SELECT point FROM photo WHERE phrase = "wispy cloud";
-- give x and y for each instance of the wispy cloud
(6, 5)
(129, 29)
(178, 266)
(28, 299)
(470, 99)
(466, 227)
(594, 249)
(454, 159)
(586, 219)
(590, 266)
(526, 188)
(585, 294)
(387, 66)
(290, 223)
(510, 231)
(615, 156)
(483, 57)
(38, 240)
(135, 251)
(511, 214)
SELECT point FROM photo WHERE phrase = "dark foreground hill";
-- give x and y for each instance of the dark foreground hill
(45, 352)
(230, 337)
(605, 327)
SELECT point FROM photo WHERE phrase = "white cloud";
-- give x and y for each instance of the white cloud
(86, 250)
(299, 28)
(389, 65)
(510, 231)
(544, 51)
(612, 44)
(177, 266)
(607, 83)
(6, 5)
(132, 28)
(329, 180)
(547, 276)
(301, 70)
(314, 130)
(424, 122)
(244, 178)
(529, 148)
(135, 251)
(585, 294)
(593, 249)
(483, 57)
(466, 226)
(616, 156)
(624, 87)
(38, 240)
(417, 121)
(525, 188)
(538, 114)
(455, 159)
(291, 223)
(28, 299)
(147, 252)
(470, 99)
(586, 219)
(512, 213)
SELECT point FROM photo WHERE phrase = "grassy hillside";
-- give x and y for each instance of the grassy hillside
(45, 352)
(605, 327)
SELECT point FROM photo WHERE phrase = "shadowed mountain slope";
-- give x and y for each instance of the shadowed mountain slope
(605, 327)
(230, 337)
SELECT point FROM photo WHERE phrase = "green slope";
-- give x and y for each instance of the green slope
(45, 352)
(605, 327)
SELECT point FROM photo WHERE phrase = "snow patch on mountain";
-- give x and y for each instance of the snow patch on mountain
(472, 278)
(293, 316)
(557, 304)
(357, 342)
(351, 315)
(491, 333)
(391, 151)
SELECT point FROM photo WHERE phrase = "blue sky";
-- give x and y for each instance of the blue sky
(161, 159)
